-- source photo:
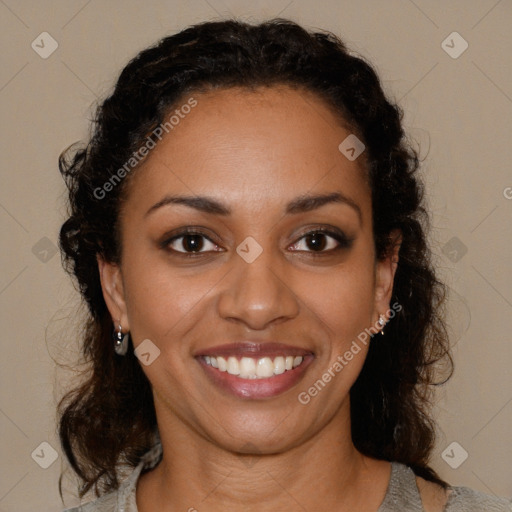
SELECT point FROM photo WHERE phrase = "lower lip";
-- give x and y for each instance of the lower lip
(256, 388)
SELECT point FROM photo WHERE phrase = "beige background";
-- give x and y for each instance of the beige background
(459, 110)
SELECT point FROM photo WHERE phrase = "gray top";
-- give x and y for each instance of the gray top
(402, 494)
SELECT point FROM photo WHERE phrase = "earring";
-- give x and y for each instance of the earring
(121, 342)
(382, 322)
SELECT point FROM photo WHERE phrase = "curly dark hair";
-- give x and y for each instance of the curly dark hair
(109, 418)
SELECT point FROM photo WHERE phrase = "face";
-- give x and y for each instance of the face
(270, 283)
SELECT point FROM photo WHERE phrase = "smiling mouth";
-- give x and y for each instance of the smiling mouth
(254, 368)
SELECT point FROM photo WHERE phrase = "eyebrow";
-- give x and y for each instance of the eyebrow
(301, 204)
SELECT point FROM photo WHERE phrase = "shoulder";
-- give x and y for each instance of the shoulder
(458, 499)
(123, 499)
(433, 497)
(407, 491)
(463, 499)
(106, 503)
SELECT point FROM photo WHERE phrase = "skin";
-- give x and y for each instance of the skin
(254, 151)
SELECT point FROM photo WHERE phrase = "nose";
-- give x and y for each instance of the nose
(258, 294)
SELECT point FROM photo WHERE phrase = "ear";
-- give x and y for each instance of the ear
(113, 292)
(385, 275)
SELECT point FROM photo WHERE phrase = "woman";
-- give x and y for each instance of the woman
(244, 222)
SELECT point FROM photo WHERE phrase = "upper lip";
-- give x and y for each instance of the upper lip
(253, 349)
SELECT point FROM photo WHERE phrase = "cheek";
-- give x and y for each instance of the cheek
(344, 301)
(160, 300)
(344, 297)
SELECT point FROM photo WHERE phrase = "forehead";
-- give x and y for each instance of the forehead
(251, 147)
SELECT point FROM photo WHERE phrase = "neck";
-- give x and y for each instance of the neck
(196, 474)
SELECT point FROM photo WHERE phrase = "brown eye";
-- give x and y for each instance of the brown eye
(190, 242)
(321, 241)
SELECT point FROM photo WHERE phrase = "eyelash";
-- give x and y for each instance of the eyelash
(343, 241)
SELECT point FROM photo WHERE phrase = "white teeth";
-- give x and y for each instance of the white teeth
(233, 366)
(265, 367)
(247, 367)
(250, 368)
(279, 365)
